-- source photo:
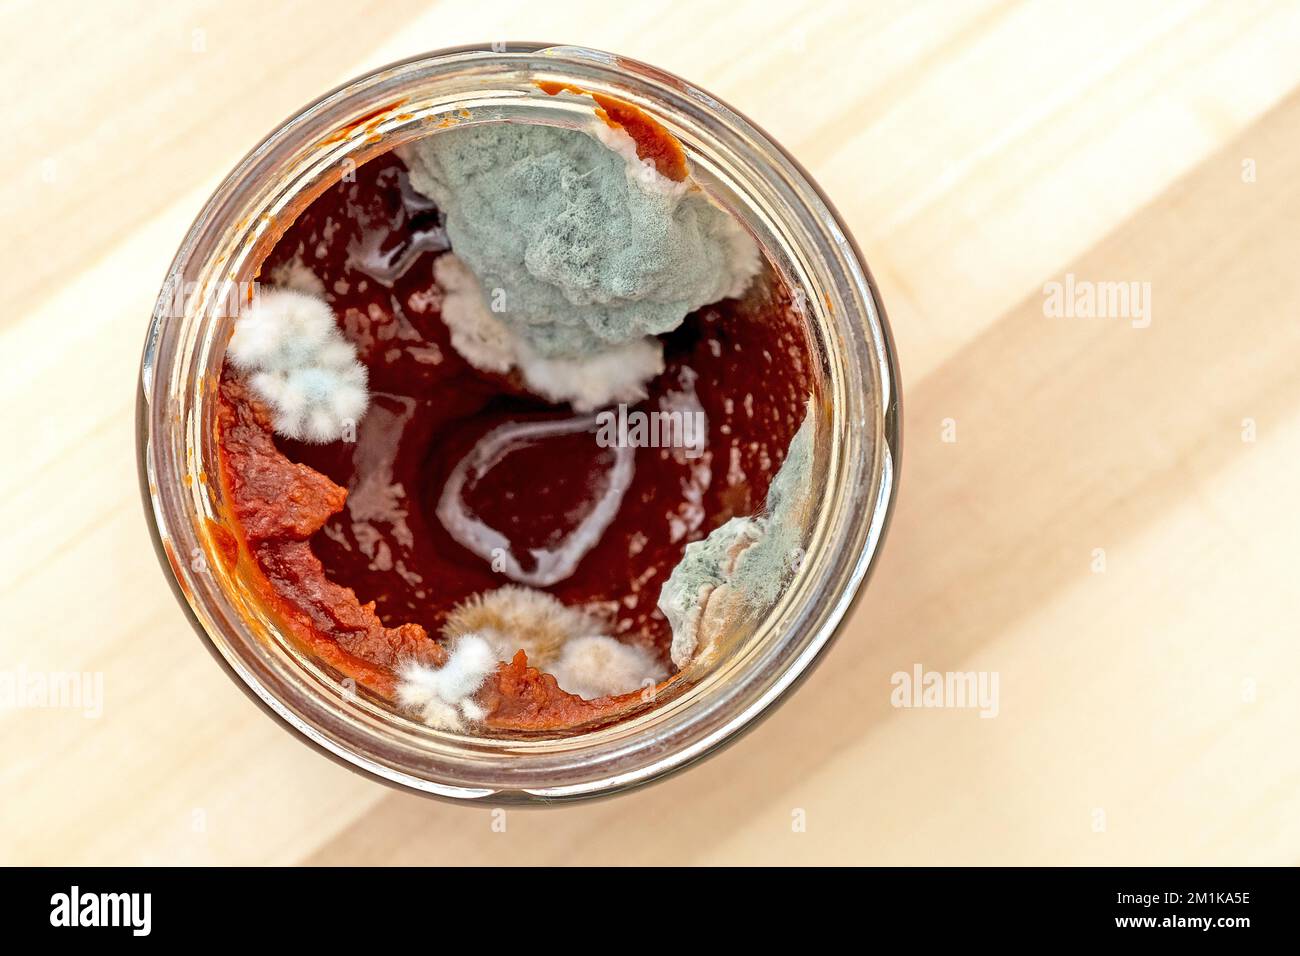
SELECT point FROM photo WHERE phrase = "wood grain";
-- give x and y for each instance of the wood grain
(978, 151)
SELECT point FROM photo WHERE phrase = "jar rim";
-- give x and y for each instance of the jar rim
(171, 441)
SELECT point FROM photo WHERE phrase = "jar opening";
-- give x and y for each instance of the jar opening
(344, 135)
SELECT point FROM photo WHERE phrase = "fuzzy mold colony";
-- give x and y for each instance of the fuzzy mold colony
(410, 434)
(590, 251)
(585, 251)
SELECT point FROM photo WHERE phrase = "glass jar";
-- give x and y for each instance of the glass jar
(856, 450)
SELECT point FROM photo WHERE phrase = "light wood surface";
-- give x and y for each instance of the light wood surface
(978, 150)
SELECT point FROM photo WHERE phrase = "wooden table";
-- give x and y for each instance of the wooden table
(1113, 531)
